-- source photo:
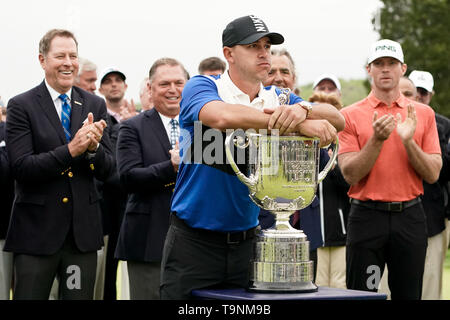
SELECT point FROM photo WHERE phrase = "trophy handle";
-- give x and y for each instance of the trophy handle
(250, 183)
(330, 163)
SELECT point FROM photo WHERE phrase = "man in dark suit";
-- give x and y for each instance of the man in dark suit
(6, 200)
(147, 159)
(435, 197)
(113, 88)
(55, 227)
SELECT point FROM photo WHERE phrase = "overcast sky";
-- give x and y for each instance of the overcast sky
(321, 35)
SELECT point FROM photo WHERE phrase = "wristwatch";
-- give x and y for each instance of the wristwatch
(307, 106)
(91, 154)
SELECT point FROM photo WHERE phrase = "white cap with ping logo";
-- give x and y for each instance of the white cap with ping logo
(385, 48)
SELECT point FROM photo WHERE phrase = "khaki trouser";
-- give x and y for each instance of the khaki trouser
(331, 267)
(124, 283)
(6, 272)
(434, 267)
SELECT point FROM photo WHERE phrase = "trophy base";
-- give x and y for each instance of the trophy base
(281, 263)
(282, 287)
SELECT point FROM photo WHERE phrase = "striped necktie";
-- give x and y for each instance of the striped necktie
(174, 132)
(65, 115)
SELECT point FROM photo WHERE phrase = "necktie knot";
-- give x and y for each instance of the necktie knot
(63, 97)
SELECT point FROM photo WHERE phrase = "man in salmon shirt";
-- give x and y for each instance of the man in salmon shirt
(389, 146)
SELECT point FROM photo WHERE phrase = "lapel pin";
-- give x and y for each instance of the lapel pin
(78, 103)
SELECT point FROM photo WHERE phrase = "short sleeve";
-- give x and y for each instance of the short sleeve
(430, 142)
(293, 98)
(197, 92)
(348, 139)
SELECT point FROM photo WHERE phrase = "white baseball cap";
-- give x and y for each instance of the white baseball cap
(422, 79)
(109, 70)
(327, 76)
(385, 48)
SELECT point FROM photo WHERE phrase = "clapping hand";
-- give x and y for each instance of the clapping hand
(407, 128)
(128, 110)
(175, 156)
(383, 127)
(87, 137)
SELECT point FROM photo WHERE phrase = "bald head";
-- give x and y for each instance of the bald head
(407, 88)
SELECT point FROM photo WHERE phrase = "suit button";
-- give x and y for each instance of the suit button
(92, 166)
(70, 174)
(65, 200)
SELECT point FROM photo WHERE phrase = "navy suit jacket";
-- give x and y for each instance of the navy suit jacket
(6, 186)
(436, 195)
(54, 193)
(147, 174)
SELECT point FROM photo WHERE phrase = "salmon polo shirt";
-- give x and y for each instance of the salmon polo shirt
(392, 177)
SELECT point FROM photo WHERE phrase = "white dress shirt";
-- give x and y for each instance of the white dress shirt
(168, 125)
(56, 100)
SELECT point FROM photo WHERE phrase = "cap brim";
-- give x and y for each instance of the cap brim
(372, 59)
(319, 80)
(275, 38)
(424, 86)
(117, 72)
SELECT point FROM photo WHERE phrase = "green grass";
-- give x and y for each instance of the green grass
(352, 90)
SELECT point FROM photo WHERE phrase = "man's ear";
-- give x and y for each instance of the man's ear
(404, 68)
(228, 54)
(42, 60)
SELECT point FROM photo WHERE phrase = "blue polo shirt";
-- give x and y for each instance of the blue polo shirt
(210, 196)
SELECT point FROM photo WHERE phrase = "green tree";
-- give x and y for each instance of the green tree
(422, 27)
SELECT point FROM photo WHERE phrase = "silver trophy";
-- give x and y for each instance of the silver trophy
(282, 177)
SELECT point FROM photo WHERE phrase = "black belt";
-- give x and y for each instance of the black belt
(387, 206)
(216, 236)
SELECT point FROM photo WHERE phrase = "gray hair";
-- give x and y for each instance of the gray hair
(284, 52)
(85, 65)
(143, 85)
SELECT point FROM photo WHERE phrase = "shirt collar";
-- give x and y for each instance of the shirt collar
(236, 92)
(166, 120)
(116, 115)
(374, 102)
(55, 94)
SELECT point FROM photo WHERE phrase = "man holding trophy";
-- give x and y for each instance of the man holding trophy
(213, 221)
